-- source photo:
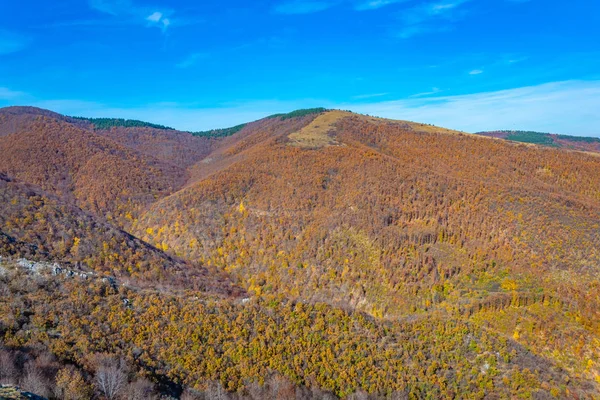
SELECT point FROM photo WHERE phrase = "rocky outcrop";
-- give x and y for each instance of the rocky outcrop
(56, 269)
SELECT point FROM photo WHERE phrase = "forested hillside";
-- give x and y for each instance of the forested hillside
(316, 254)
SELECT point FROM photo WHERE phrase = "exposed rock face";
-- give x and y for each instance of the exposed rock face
(40, 267)
(56, 269)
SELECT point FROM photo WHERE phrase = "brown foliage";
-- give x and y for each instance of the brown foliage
(416, 251)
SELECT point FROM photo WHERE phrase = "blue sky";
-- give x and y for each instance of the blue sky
(464, 64)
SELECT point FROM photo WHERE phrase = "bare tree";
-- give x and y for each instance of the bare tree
(34, 381)
(359, 395)
(398, 396)
(256, 391)
(281, 388)
(317, 393)
(216, 392)
(8, 368)
(141, 389)
(191, 394)
(111, 377)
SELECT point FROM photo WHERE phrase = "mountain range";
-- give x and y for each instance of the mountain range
(311, 254)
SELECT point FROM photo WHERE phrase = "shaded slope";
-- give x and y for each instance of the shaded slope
(39, 226)
(180, 149)
(96, 172)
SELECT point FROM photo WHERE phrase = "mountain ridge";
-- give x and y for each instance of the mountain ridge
(404, 229)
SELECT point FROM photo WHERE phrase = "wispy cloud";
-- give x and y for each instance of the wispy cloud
(304, 6)
(135, 13)
(476, 72)
(78, 23)
(369, 96)
(422, 12)
(434, 90)
(375, 4)
(434, 16)
(154, 17)
(568, 107)
(312, 6)
(191, 60)
(159, 19)
(187, 117)
(113, 7)
(12, 42)
(7, 94)
(511, 61)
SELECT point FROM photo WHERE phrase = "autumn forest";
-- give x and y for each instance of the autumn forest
(318, 254)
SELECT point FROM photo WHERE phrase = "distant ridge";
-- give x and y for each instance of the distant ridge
(547, 139)
(299, 113)
(107, 123)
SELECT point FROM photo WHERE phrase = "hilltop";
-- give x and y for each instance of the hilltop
(319, 253)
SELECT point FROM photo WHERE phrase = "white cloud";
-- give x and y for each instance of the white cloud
(443, 7)
(375, 4)
(476, 72)
(155, 16)
(429, 17)
(433, 90)
(516, 60)
(133, 13)
(568, 107)
(158, 19)
(7, 94)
